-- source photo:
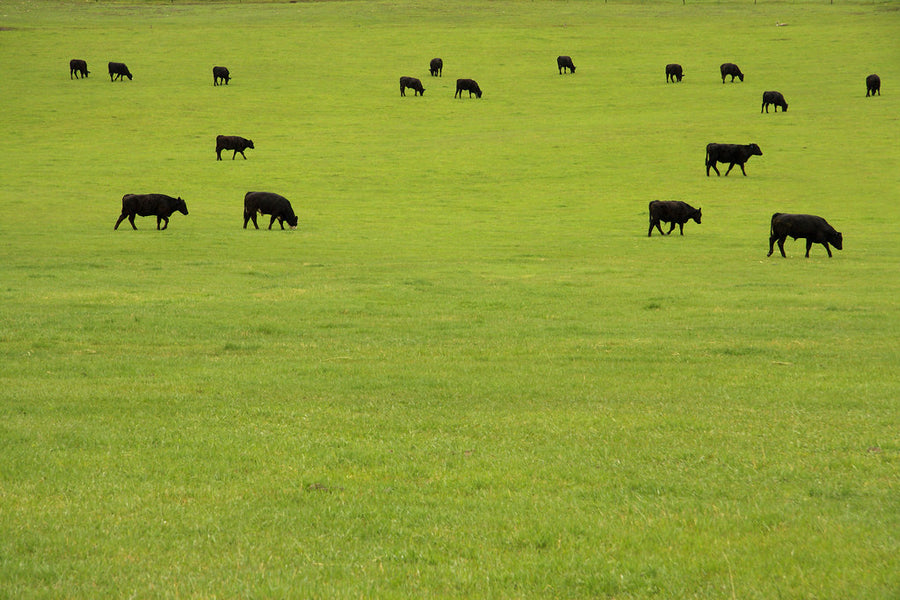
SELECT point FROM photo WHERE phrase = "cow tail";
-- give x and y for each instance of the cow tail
(772, 224)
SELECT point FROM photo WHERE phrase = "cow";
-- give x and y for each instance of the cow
(147, 205)
(563, 63)
(674, 72)
(730, 69)
(773, 98)
(815, 229)
(412, 83)
(221, 73)
(873, 84)
(467, 85)
(118, 70)
(675, 212)
(268, 203)
(76, 67)
(232, 142)
(436, 67)
(736, 154)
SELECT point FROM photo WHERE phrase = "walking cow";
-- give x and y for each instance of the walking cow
(146, 205)
(815, 229)
(467, 85)
(118, 70)
(674, 212)
(221, 73)
(232, 142)
(730, 69)
(674, 72)
(76, 67)
(736, 154)
(413, 84)
(436, 67)
(563, 63)
(773, 98)
(873, 84)
(268, 203)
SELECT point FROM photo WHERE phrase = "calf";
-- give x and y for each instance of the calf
(730, 69)
(232, 142)
(674, 212)
(147, 205)
(773, 98)
(815, 229)
(412, 83)
(873, 84)
(221, 73)
(119, 70)
(674, 72)
(563, 63)
(467, 85)
(268, 203)
(436, 67)
(736, 154)
(76, 67)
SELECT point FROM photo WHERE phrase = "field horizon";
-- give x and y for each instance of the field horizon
(469, 372)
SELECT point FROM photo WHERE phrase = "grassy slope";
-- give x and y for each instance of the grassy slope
(469, 371)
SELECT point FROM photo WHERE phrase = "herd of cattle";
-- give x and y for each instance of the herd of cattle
(814, 229)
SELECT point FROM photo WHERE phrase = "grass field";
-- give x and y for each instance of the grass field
(469, 372)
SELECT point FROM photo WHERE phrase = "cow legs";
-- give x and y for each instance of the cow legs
(131, 220)
(827, 249)
(781, 246)
(159, 219)
(742, 170)
(218, 154)
(121, 218)
(680, 228)
(652, 224)
(714, 168)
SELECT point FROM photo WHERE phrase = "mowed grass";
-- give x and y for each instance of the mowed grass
(469, 372)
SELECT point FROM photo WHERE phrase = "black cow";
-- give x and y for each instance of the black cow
(268, 203)
(119, 70)
(76, 67)
(675, 212)
(436, 67)
(674, 72)
(563, 63)
(773, 98)
(232, 142)
(873, 84)
(731, 69)
(736, 154)
(413, 84)
(147, 205)
(221, 73)
(467, 85)
(815, 229)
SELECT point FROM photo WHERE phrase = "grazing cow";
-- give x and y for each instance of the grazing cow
(413, 84)
(436, 67)
(76, 67)
(147, 205)
(773, 98)
(675, 212)
(221, 73)
(119, 70)
(467, 85)
(731, 69)
(674, 72)
(815, 229)
(736, 154)
(873, 84)
(232, 142)
(563, 63)
(268, 203)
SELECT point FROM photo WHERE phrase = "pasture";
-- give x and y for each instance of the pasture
(468, 372)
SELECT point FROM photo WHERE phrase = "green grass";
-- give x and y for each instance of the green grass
(469, 372)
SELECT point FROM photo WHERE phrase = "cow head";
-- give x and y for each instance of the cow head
(679, 76)
(741, 76)
(478, 93)
(754, 150)
(250, 144)
(180, 206)
(696, 216)
(292, 221)
(836, 239)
